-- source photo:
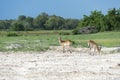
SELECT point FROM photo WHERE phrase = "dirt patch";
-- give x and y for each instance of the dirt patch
(55, 65)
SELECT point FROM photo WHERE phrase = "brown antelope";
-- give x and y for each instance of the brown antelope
(93, 46)
(66, 44)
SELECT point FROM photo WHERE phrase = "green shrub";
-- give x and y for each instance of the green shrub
(12, 34)
(74, 32)
(64, 33)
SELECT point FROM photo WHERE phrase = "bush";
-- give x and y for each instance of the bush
(12, 34)
(74, 32)
(64, 33)
(17, 27)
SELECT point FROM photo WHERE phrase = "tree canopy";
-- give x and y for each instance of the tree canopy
(102, 22)
(108, 22)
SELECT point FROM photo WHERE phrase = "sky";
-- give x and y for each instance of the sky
(11, 9)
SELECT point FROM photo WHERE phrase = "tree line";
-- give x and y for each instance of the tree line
(107, 22)
(42, 22)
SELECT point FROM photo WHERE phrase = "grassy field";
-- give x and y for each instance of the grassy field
(42, 40)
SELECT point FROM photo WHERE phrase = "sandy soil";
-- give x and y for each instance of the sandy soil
(55, 65)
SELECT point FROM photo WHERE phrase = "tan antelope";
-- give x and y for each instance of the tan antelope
(66, 44)
(92, 45)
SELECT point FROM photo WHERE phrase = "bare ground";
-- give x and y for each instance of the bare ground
(55, 65)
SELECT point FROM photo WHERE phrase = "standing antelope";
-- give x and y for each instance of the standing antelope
(66, 44)
(93, 46)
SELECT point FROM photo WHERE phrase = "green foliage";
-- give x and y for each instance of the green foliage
(4, 24)
(70, 24)
(113, 18)
(108, 22)
(17, 27)
(11, 34)
(42, 22)
(21, 17)
(75, 31)
(54, 23)
(94, 19)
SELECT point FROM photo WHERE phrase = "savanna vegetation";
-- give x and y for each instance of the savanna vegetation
(102, 22)
(41, 32)
(36, 41)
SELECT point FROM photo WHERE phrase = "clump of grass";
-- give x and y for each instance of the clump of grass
(12, 34)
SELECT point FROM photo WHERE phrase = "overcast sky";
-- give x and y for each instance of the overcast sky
(11, 9)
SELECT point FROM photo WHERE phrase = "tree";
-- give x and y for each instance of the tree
(96, 18)
(4, 24)
(113, 18)
(17, 27)
(54, 22)
(28, 25)
(21, 17)
(70, 24)
(40, 21)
